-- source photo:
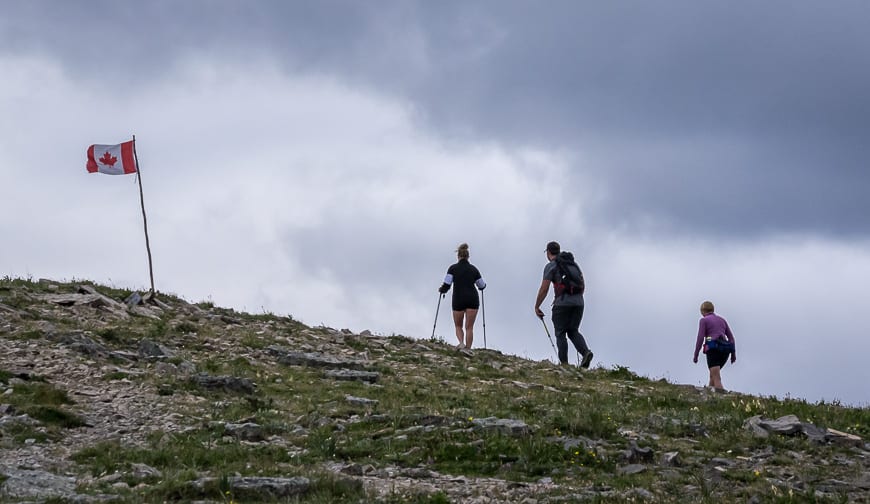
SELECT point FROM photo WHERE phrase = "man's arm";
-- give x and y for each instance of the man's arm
(542, 293)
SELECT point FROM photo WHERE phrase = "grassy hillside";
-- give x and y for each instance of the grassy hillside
(169, 400)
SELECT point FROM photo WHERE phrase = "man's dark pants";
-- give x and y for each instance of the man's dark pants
(566, 321)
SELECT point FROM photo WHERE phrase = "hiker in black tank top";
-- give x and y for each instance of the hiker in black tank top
(466, 280)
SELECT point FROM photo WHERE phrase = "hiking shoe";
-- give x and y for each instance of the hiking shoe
(586, 360)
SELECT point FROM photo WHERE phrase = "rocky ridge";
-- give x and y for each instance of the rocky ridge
(338, 416)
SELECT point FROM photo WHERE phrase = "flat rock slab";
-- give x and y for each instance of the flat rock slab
(248, 488)
(227, 383)
(35, 484)
(570, 443)
(360, 401)
(94, 300)
(245, 431)
(313, 359)
(353, 375)
(153, 350)
(505, 426)
(88, 296)
(631, 469)
(251, 487)
(790, 425)
(843, 438)
(78, 342)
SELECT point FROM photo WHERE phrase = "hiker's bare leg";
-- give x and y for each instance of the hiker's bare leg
(457, 324)
(470, 317)
(715, 377)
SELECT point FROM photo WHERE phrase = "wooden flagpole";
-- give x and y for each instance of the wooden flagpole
(144, 218)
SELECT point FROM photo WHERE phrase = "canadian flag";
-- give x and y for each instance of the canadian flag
(112, 159)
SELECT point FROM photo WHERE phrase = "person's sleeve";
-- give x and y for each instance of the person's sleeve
(702, 333)
(448, 279)
(548, 271)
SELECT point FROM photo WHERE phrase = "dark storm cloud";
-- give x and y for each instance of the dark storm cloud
(141, 41)
(737, 118)
(713, 118)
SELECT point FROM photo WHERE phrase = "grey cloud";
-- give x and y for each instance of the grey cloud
(765, 105)
(711, 119)
(140, 41)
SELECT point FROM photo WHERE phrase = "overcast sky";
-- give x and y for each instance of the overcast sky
(324, 160)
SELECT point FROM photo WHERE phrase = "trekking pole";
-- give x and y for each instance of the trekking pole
(436, 315)
(483, 310)
(550, 338)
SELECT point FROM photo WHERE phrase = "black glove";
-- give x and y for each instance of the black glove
(444, 288)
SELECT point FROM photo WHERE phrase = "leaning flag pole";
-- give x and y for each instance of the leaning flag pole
(144, 217)
(121, 159)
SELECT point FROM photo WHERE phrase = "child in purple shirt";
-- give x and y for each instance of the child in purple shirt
(712, 327)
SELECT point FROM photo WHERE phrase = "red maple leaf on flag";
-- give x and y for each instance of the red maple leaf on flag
(108, 159)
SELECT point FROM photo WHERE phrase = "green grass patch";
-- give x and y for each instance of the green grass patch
(117, 335)
(416, 498)
(42, 402)
(21, 432)
(55, 416)
(255, 341)
(28, 394)
(157, 329)
(185, 327)
(116, 375)
(30, 334)
(202, 450)
(623, 373)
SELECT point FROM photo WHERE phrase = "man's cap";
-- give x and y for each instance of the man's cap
(553, 247)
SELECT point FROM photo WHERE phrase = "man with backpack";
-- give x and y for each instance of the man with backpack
(568, 287)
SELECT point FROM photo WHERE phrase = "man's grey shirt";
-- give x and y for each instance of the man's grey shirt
(550, 273)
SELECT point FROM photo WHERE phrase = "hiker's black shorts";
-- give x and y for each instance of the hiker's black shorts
(462, 303)
(465, 298)
(717, 358)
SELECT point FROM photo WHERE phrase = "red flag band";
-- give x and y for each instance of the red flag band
(112, 159)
